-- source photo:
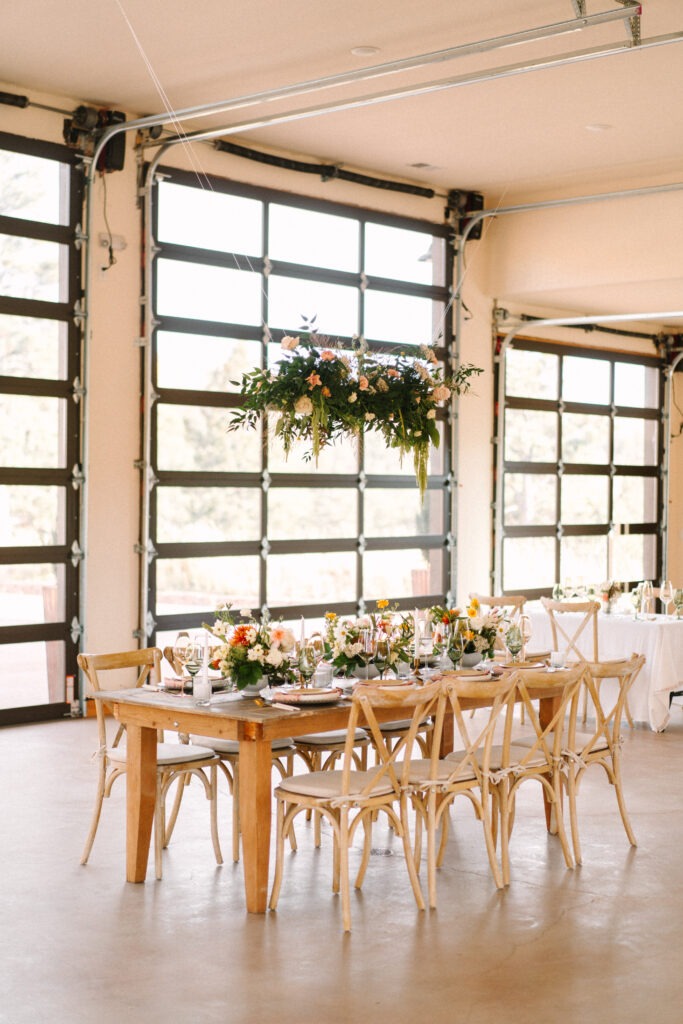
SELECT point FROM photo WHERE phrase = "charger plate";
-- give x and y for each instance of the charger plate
(307, 696)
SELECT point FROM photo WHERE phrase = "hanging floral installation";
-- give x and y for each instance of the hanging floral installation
(323, 392)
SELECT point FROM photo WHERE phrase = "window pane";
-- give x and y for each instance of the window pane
(31, 594)
(635, 557)
(403, 254)
(636, 442)
(380, 460)
(584, 559)
(199, 292)
(341, 457)
(313, 238)
(311, 579)
(530, 436)
(32, 431)
(405, 319)
(310, 513)
(528, 563)
(31, 515)
(531, 374)
(586, 380)
(210, 220)
(31, 188)
(32, 674)
(408, 573)
(30, 269)
(202, 363)
(585, 438)
(637, 386)
(195, 438)
(585, 499)
(335, 305)
(530, 499)
(188, 515)
(32, 348)
(393, 512)
(201, 584)
(635, 501)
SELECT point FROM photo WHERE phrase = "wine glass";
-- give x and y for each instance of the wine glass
(666, 595)
(647, 598)
(455, 642)
(514, 641)
(307, 664)
(181, 648)
(678, 601)
(383, 649)
(193, 660)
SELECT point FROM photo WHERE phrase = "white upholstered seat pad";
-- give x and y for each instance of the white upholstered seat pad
(167, 753)
(517, 753)
(330, 739)
(327, 784)
(420, 769)
(581, 741)
(398, 726)
(221, 746)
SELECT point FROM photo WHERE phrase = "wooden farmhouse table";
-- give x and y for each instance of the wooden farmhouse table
(144, 711)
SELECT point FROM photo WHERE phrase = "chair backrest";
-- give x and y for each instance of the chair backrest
(147, 662)
(173, 661)
(476, 735)
(416, 703)
(566, 637)
(564, 685)
(607, 727)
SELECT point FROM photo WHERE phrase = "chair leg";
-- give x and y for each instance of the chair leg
(367, 849)
(96, 812)
(279, 856)
(159, 825)
(344, 868)
(213, 787)
(573, 817)
(235, 813)
(408, 852)
(431, 848)
(170, 824)
(616, 770)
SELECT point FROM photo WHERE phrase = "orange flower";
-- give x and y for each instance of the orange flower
(328, 355)
(240, 638)
(391, 372)
(363, 384)
(313, 380)
(326, 392)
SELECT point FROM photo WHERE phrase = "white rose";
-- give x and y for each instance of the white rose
(369, 416)
(303, 405)
(255, 653)
(274, 657)
(431, 415)
(245, 613)
(288, 343)
(353, 396)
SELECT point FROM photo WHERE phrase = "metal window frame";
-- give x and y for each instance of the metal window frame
(558, 529)
(67, 554)
(264, 478)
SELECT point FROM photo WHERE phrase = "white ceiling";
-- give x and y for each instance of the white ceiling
(521, 137)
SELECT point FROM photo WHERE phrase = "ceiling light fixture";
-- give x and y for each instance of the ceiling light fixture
(598, 127)
(365, 51)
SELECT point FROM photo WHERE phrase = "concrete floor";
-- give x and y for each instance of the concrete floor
(78, 945)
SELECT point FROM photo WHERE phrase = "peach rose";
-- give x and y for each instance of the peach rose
(327, 355)
(363, 384)
(288, 342)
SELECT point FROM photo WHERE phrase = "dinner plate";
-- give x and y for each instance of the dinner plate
(393, 683)
(313, 695)
(174, 683)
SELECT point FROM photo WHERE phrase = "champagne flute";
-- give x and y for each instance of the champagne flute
(526, 630)
(382, 653)
(646, 599)
(666, 595)
(455, 645)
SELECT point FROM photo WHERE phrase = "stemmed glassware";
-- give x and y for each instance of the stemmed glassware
(526, 630)
(181, 652)
(514, 641)
(455, 644)
(647, 600)
(383, 650)
(666, 595)
(193, 662)
(307, 663)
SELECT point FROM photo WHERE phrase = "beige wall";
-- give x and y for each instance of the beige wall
(494, 268)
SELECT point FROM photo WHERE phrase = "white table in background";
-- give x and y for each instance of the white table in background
(659, 639)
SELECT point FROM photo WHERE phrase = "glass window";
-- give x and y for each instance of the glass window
(636, 442)
(198, 292)
(33, 674)
(585, 438)
(586, 380)
(585, 499)
(417, 573)
(32, 515)
(30, 269)
(636, 386)
(403, 254)
(194, 438)
(635, 500)
(309, 512)
(33, 348)
(32, 431)
(530, 436)
(199, 584)
(528, 563)
(33, 188)
(203, 363)
(31, 594)
(313, 238)
(192, 515)
(312, 578)
(335, 305)
(528, 373)
(403, 319)
(393, 512)
(530, 498)
(206, 219)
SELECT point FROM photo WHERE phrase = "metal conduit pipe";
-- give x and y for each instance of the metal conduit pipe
(668, 403)
(575, 321)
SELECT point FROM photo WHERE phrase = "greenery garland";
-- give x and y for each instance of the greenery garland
(323, 392)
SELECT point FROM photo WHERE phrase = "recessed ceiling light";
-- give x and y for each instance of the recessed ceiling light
(365, 51)
(598, 127)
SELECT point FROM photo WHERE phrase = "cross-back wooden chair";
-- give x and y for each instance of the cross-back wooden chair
(512, 605)
(568, 638)
(539, 757)
(601, 745)
(175, 761)
(348, 798)
(433, 785)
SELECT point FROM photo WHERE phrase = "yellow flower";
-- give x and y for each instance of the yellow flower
(331, 616)
(383, 604)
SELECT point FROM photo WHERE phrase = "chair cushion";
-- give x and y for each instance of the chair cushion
(221, 746)
(167, 753)
(327, 785)
(330, 739)
(517, 753)
(401, 726)
(419, 771)
(582, 740)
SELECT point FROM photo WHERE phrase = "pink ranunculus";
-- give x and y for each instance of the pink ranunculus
(363, 384)
(391, 372)
(327, 355)
(441, 393)
(288, 343)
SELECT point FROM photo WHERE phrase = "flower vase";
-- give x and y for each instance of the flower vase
(366, 672)
(254, 689)
(468, 660)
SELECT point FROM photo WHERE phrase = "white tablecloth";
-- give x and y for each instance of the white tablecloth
(659, 639)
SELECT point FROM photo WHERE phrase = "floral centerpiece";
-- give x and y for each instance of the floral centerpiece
(610, 592)
(322, 392)
(251, 649)
(348, 641)
(481, 631)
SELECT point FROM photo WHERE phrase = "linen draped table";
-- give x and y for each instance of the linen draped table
(660, 639)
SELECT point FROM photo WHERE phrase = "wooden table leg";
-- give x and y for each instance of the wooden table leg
(255, 810)
(547, 708)
(140, 799)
